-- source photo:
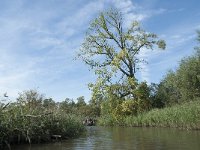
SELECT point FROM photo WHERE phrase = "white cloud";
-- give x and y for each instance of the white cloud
(71, 25)
(130, 11)
(144, 68)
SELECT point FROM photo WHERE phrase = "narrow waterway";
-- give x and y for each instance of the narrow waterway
(119, 138)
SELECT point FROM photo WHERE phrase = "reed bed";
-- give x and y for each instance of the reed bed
(184, 116)
(21, 125)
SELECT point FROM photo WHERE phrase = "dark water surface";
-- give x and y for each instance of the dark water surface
(119, 138)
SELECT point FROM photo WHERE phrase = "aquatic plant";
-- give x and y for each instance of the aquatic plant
(184, 116)
(28, 121)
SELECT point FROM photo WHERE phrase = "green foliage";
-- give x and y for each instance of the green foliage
(183, 84)
(90, 111)
(111, 50)
(189, 77)
(130, 107)
(184, 116)
(107, 120)
(31, 101)
(67, 106)
(109, 106)
(80, 101)
(81, 108)
(34, 119)
(49, 104)
(158, 95)
(118, 108)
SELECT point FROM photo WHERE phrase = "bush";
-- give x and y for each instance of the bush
(28, 121)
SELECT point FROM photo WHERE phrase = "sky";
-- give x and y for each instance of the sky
(39, 40)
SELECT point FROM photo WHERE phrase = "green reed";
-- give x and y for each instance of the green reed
(21, 125)
(184, 116)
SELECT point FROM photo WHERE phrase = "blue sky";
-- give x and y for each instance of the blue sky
(39, 40)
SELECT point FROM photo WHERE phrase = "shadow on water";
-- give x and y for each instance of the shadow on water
(118, 138)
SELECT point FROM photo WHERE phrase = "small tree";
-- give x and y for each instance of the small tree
(80, 101)
(68, 106)
(49, 104)
(31, 100)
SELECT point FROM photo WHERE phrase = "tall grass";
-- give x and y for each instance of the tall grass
(184, 116)
(19, 125)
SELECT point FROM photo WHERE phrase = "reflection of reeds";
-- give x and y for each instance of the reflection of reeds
(20, 124)
(184, 116)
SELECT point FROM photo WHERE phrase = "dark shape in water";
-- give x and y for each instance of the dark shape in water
(56, 137)
(89, 122)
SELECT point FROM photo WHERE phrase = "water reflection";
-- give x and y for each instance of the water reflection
(118, 138)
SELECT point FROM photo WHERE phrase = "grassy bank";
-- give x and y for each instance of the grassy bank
(18, 124)
(184, 116)
(39, 128)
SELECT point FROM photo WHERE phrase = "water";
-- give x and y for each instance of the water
(119, 138)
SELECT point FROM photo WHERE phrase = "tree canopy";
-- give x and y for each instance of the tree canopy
(183, 84)
(111, 49)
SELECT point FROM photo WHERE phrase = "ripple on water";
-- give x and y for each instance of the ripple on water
(119, 138)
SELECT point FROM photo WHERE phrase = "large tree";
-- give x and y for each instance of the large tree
(111, 50)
